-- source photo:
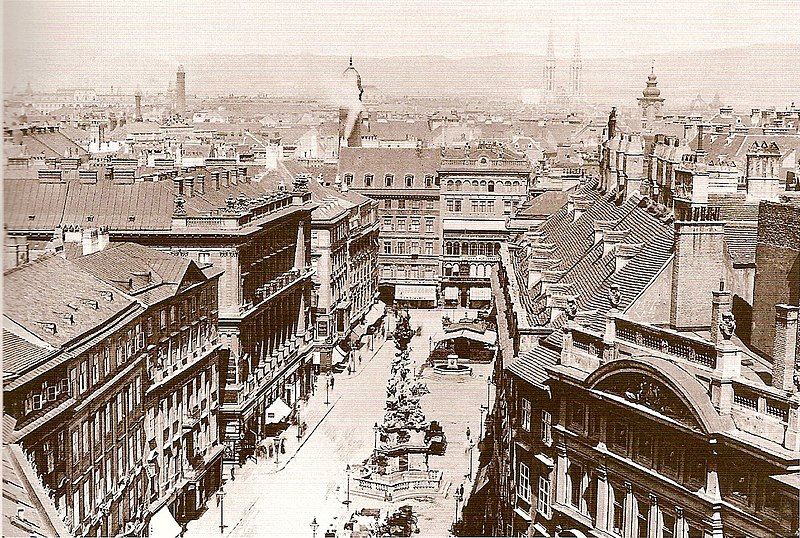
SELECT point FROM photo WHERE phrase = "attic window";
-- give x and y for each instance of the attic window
(90, 218)
(31, 217)
(131, 218)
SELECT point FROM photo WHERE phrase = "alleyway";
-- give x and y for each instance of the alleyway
(283, 499)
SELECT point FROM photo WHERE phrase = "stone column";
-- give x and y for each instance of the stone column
(562, 464)
(603, 501)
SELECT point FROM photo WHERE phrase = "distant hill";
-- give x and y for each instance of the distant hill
(759, 75)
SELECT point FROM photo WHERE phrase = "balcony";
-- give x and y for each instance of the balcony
(191, 418)
(665, 341)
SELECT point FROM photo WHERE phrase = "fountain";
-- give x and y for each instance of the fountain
(452, 367)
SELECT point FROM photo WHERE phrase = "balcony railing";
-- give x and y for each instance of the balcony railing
(666, 342)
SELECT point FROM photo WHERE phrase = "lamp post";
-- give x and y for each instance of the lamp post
(471, 446)
(299, 425)
(459, 497)
(314, 527)
(327, 387)
(220, 499)
(375, 429)
(347, 501)
(484, 409)
(489, 383)
(277, 442)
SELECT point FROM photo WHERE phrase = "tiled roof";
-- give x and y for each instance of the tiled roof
(382, 161)
(734, 207)
(741, 242)
(118, 263)
(531, 365)
(20, 354)
(545, 204)
(57, 294)
(16, 496)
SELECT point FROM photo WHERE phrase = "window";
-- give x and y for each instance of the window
(429, 204)
(415, 247)
(368, 178)
(429, 225)
(546, 427)
(95, 369)
(506, 206)
(401, 247)
(348, 179)
(525, 414)
(577, 414)
(643, 510)
(524, 483)
(163, 318)
(457, 206)
(76, 447)
(409, 180)
(667, 525)
(415, 204)
(618, 507)
(401, 225)
(618, 436)
(450, 205)
(429, 248)
(388, 180)
(644, 446)
(401, 204)
(387, 204)
(387, 224)
(414, 225)
(474, 206)
(387, 247)
(543, 502)
(428, 181)
(575, 474)
(203, 258)
(120, 462)
(84, 376)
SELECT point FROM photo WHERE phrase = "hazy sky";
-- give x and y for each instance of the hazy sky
(381, 28)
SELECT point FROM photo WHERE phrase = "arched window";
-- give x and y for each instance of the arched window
(458, 185)
(483, 186)
(456, 270)
(473, 270)
(465, 248)
(473, 249)
(348, 179)
(409, 180)
(456, 249)
(490, 186)
(368, 180)
(448, 269)
(389, 180)
(475, 184)
(450, 185)
(482, 249)
(448, 248)
(508, 184)
(516, 185)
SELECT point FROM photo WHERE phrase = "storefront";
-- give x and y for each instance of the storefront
(415, 295)
(479, 297)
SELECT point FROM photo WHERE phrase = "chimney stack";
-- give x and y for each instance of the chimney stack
(785, 350)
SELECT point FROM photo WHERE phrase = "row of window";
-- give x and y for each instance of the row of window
(409, 181)
(414, 247)
(484, 186)
(413, 224)
(474, 248)
(414, 204)
(455, 205)
(410, 271)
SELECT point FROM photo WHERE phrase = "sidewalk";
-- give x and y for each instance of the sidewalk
(243, 491)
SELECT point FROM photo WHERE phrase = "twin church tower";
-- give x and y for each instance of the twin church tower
(553, 93)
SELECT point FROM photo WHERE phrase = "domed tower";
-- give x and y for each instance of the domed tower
(350, 108)
(651, 101)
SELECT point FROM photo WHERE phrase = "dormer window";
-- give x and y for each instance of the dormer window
(368, 178)
(348, 179)
(428, 181)
(388, 180)
(409, 180)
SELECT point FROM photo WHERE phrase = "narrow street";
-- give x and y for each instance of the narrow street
(283, 499)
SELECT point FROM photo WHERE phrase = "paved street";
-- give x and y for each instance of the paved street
(282, 500)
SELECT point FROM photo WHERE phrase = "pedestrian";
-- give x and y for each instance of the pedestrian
(283, 446)
(233, 476)
(332, 378)
(468, 433)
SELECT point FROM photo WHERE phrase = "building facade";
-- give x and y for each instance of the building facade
(116, 395)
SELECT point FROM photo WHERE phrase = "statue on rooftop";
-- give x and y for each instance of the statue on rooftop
(727, 326)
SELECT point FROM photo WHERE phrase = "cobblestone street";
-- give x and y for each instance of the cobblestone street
(310, 483)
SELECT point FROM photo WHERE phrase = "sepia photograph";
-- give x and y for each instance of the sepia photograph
(398, 268)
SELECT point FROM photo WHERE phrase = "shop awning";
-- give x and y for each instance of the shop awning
(277, 411)
(410, 292)
(451, 294)
(375, 313)
(163, 524)
(480, 294)
(339, 355)
(486, 337)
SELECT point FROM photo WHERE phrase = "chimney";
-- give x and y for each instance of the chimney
(623, 253)
(600, 227)
(90, 241)
(611, 238)
(697, 265)
(200, 184)
(785, 350)
(188, 186)
(720, 303)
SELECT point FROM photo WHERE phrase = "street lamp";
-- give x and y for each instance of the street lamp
(327, 386)
(277, 442)
(471, 446)
(220, 499)
(484, 409)
(459, 497)
(299, 425)
(375, 429)
(347, 501)
(314, 527)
